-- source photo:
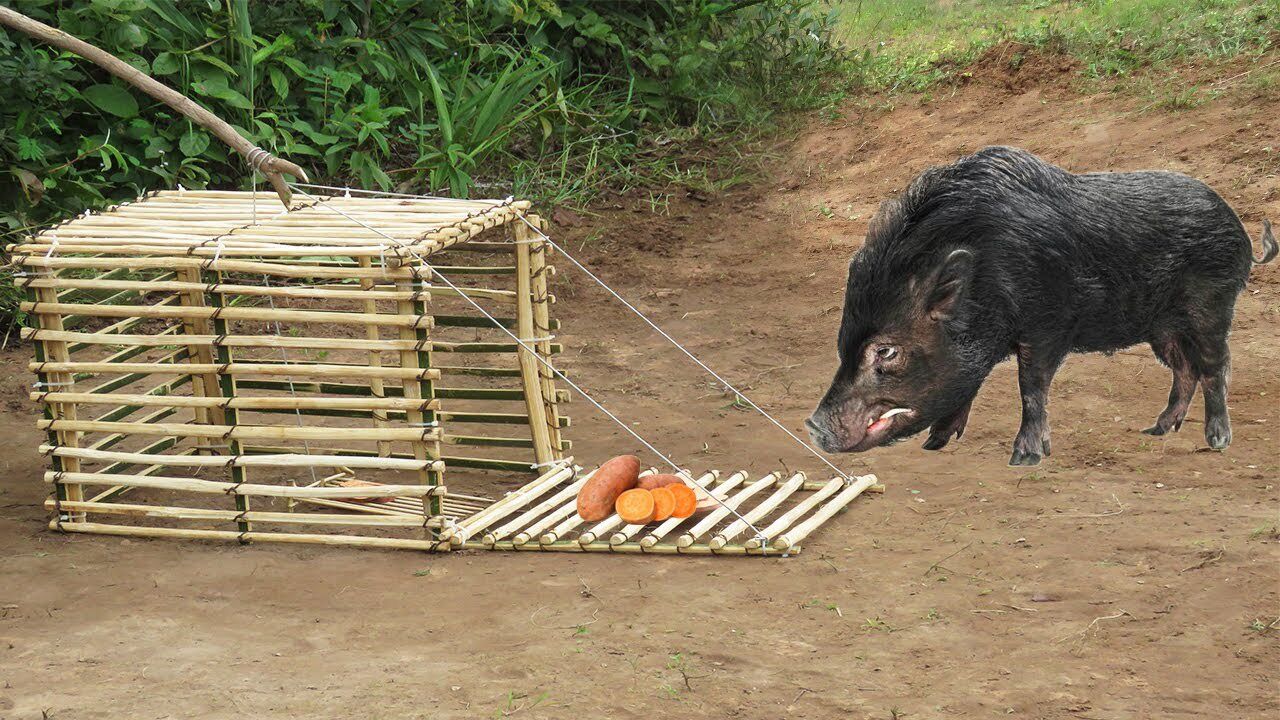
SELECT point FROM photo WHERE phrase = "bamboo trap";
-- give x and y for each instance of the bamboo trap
(238, 306)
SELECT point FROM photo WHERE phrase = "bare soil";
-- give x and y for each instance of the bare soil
(1127, 577)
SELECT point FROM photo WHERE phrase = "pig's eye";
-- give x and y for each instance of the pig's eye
(886, 352)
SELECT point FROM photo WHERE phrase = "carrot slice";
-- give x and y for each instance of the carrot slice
(686, 500)
(664, 503)
(635, 506)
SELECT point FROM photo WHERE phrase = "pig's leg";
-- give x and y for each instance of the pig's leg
(941, 432)
(1214, 366)
(1171, 353)
(1036, 367)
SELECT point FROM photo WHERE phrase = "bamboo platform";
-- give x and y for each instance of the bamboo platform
(214, 366)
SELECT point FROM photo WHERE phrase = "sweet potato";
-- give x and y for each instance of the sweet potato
(650, 482)
(636, 506)
(664, 503)
(686, 500)
(598, 495)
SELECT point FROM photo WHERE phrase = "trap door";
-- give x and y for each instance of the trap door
(737, 515)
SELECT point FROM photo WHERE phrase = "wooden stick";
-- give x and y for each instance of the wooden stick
(216, 487)
(720, 491)
(570, 491)
(240, 432)
(263, 369)
(227, 313)
(797, 534)
(531, 377)
(719, 513)
(271, 166)
(299, 460)
(181, 513)
(804, 506)
(736, 528)
(249, 403)
(254, 536)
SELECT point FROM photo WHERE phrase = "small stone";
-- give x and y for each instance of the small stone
(1159, 485)
(1044, 597)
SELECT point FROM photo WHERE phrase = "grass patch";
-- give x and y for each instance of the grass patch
(909, 45)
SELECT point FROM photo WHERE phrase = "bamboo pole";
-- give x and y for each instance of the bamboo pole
(784, 521)
(531, 378)
(541, 301)
(569, 492)
(729, 504)
(229, 488)
(57, 351)
(270, 341)
(180, 513)
(229, 313)
(262, 369)
(720, 491)
(241, 432)
(757, 513)
(297, 460)
(254, 536)
(797, 534)
(374, 357)
(460, 533)
(249, 403)
(420, 360)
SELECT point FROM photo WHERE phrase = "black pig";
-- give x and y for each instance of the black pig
(1003, 254)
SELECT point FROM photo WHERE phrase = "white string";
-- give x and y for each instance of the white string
(535, 354)
(684, 350)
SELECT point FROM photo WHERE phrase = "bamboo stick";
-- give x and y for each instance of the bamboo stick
(531, 378)
(553, 502)
(729, 504)
(246, 403)
(758, 512)
(635, 548)
(266, 369)
(181, 513)
(797, 534)
(720, 491)
(541, 301)
(804, 506)
(240, 432)
(513, 501)
(228, 313)
(57, 351)
(253, 536)
(229, 488)
(271, 341)
(297, 460)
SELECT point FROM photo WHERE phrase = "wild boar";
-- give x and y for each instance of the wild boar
(1000, 254)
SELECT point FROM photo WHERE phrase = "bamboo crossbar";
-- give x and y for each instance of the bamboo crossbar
(260, 369)
(352, 462)
(181, 513)
(249, 536)
(240, 403)
(240, 432)
(217, 487)
(229, 313)
(267, 341)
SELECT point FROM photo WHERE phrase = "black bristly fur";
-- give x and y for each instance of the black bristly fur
(1057, 262)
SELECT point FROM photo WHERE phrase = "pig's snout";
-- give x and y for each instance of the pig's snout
(820, 435)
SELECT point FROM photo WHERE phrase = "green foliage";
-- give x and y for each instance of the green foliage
(560, 98)
(912, 44)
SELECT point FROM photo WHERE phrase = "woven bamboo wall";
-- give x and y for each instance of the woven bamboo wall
(211, 366)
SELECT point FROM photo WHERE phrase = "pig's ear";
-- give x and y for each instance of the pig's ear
(950, 284)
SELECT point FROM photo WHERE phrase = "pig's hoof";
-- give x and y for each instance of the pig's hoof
(1155, 430)
(1020, 458)
(1219, 442)
(936, 442)
(1218, 434)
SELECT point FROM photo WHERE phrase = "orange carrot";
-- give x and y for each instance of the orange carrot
(650, 482)
(597, 496)
(664, 503)
(686, 500)
(635, 506)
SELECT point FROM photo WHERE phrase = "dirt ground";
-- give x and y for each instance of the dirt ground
(1127, 577)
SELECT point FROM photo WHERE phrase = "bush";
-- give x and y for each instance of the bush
(555, 97)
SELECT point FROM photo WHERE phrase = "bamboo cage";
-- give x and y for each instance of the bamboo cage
(213, 366)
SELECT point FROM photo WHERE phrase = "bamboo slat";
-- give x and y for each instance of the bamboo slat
(252, 536)
(245, 403)
(460, 533)
(729, 504)
(736, 528)
(797, 534)
(230, 488)
(240, 432)
(296, 518)
(539, 510)
(297, 460)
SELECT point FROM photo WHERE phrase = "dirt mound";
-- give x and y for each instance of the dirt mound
(1017, 67)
